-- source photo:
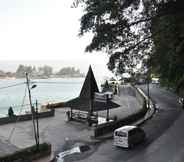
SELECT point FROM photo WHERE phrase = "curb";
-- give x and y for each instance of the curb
(149, 114)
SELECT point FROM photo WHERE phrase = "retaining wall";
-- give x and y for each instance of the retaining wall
(25, 117)
(111, 126)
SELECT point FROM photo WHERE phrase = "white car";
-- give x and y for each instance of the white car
(60, 156)
(78, 149)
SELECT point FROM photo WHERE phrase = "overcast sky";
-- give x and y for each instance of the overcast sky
(46, 31)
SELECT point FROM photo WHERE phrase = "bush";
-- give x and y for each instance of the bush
(28, 154)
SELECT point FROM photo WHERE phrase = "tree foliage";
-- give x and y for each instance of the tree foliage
(70, 71)
(132, 30)
(120, 28)
(33, 71)
(169, 49)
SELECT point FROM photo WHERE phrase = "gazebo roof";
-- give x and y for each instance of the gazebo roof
(84, 105)
(86, 98)
(89, 87)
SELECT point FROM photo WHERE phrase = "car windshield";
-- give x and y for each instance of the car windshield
(120, 134)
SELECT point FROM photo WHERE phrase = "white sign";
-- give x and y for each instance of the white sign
(100, 97)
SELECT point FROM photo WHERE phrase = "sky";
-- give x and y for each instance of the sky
(43, 32)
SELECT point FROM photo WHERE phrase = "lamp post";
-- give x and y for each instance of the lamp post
(37, 124)
(148, 88)
(148, 91)
(32, 108)
(107, 119)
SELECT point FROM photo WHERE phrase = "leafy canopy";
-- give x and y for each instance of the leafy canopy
(132, 30)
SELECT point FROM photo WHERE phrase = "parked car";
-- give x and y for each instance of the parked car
(76, 150)
(128, 136)
(155, 81)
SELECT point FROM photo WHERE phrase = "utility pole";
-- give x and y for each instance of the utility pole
(32, 109)
(107, 99)
(37, 124)
(148, 88)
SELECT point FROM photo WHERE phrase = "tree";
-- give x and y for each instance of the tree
(120, 28)
(167, 60)
(70, 71)
(132, 30)
(45, 71)
(22, 69)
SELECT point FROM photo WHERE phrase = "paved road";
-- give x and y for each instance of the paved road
(164, 131)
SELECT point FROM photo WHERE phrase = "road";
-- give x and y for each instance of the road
(164, 131)
(164, 135)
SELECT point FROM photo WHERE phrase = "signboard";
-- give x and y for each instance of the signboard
(100, 97)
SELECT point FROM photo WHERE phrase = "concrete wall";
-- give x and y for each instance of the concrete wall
(109, 127)
(140, 96)
(25, 117)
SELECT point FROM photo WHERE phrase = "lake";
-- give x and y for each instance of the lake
(46, 91)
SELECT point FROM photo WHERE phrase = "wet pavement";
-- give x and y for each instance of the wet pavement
(6, 147)
(164, 132)
(56, 129)
(164, 135)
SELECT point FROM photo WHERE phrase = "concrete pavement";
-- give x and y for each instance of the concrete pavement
(6, 147)
(56, 129)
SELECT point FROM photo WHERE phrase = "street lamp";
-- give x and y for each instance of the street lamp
(148, 80)
(32, 109)
(33, 86)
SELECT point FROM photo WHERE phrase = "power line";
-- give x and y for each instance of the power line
(56, 82)
(15, 106)
(13, 129)
(13, 85)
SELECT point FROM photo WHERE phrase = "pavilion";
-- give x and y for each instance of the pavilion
(90, 99)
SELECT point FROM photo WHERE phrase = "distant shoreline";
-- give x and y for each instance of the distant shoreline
(13, 78)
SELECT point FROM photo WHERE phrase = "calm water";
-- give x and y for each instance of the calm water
(47, 90)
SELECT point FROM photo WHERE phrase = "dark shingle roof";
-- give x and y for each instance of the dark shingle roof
(84, 105)
(86, 97)
(89, 86)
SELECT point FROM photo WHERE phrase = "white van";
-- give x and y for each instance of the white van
(128, 136)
